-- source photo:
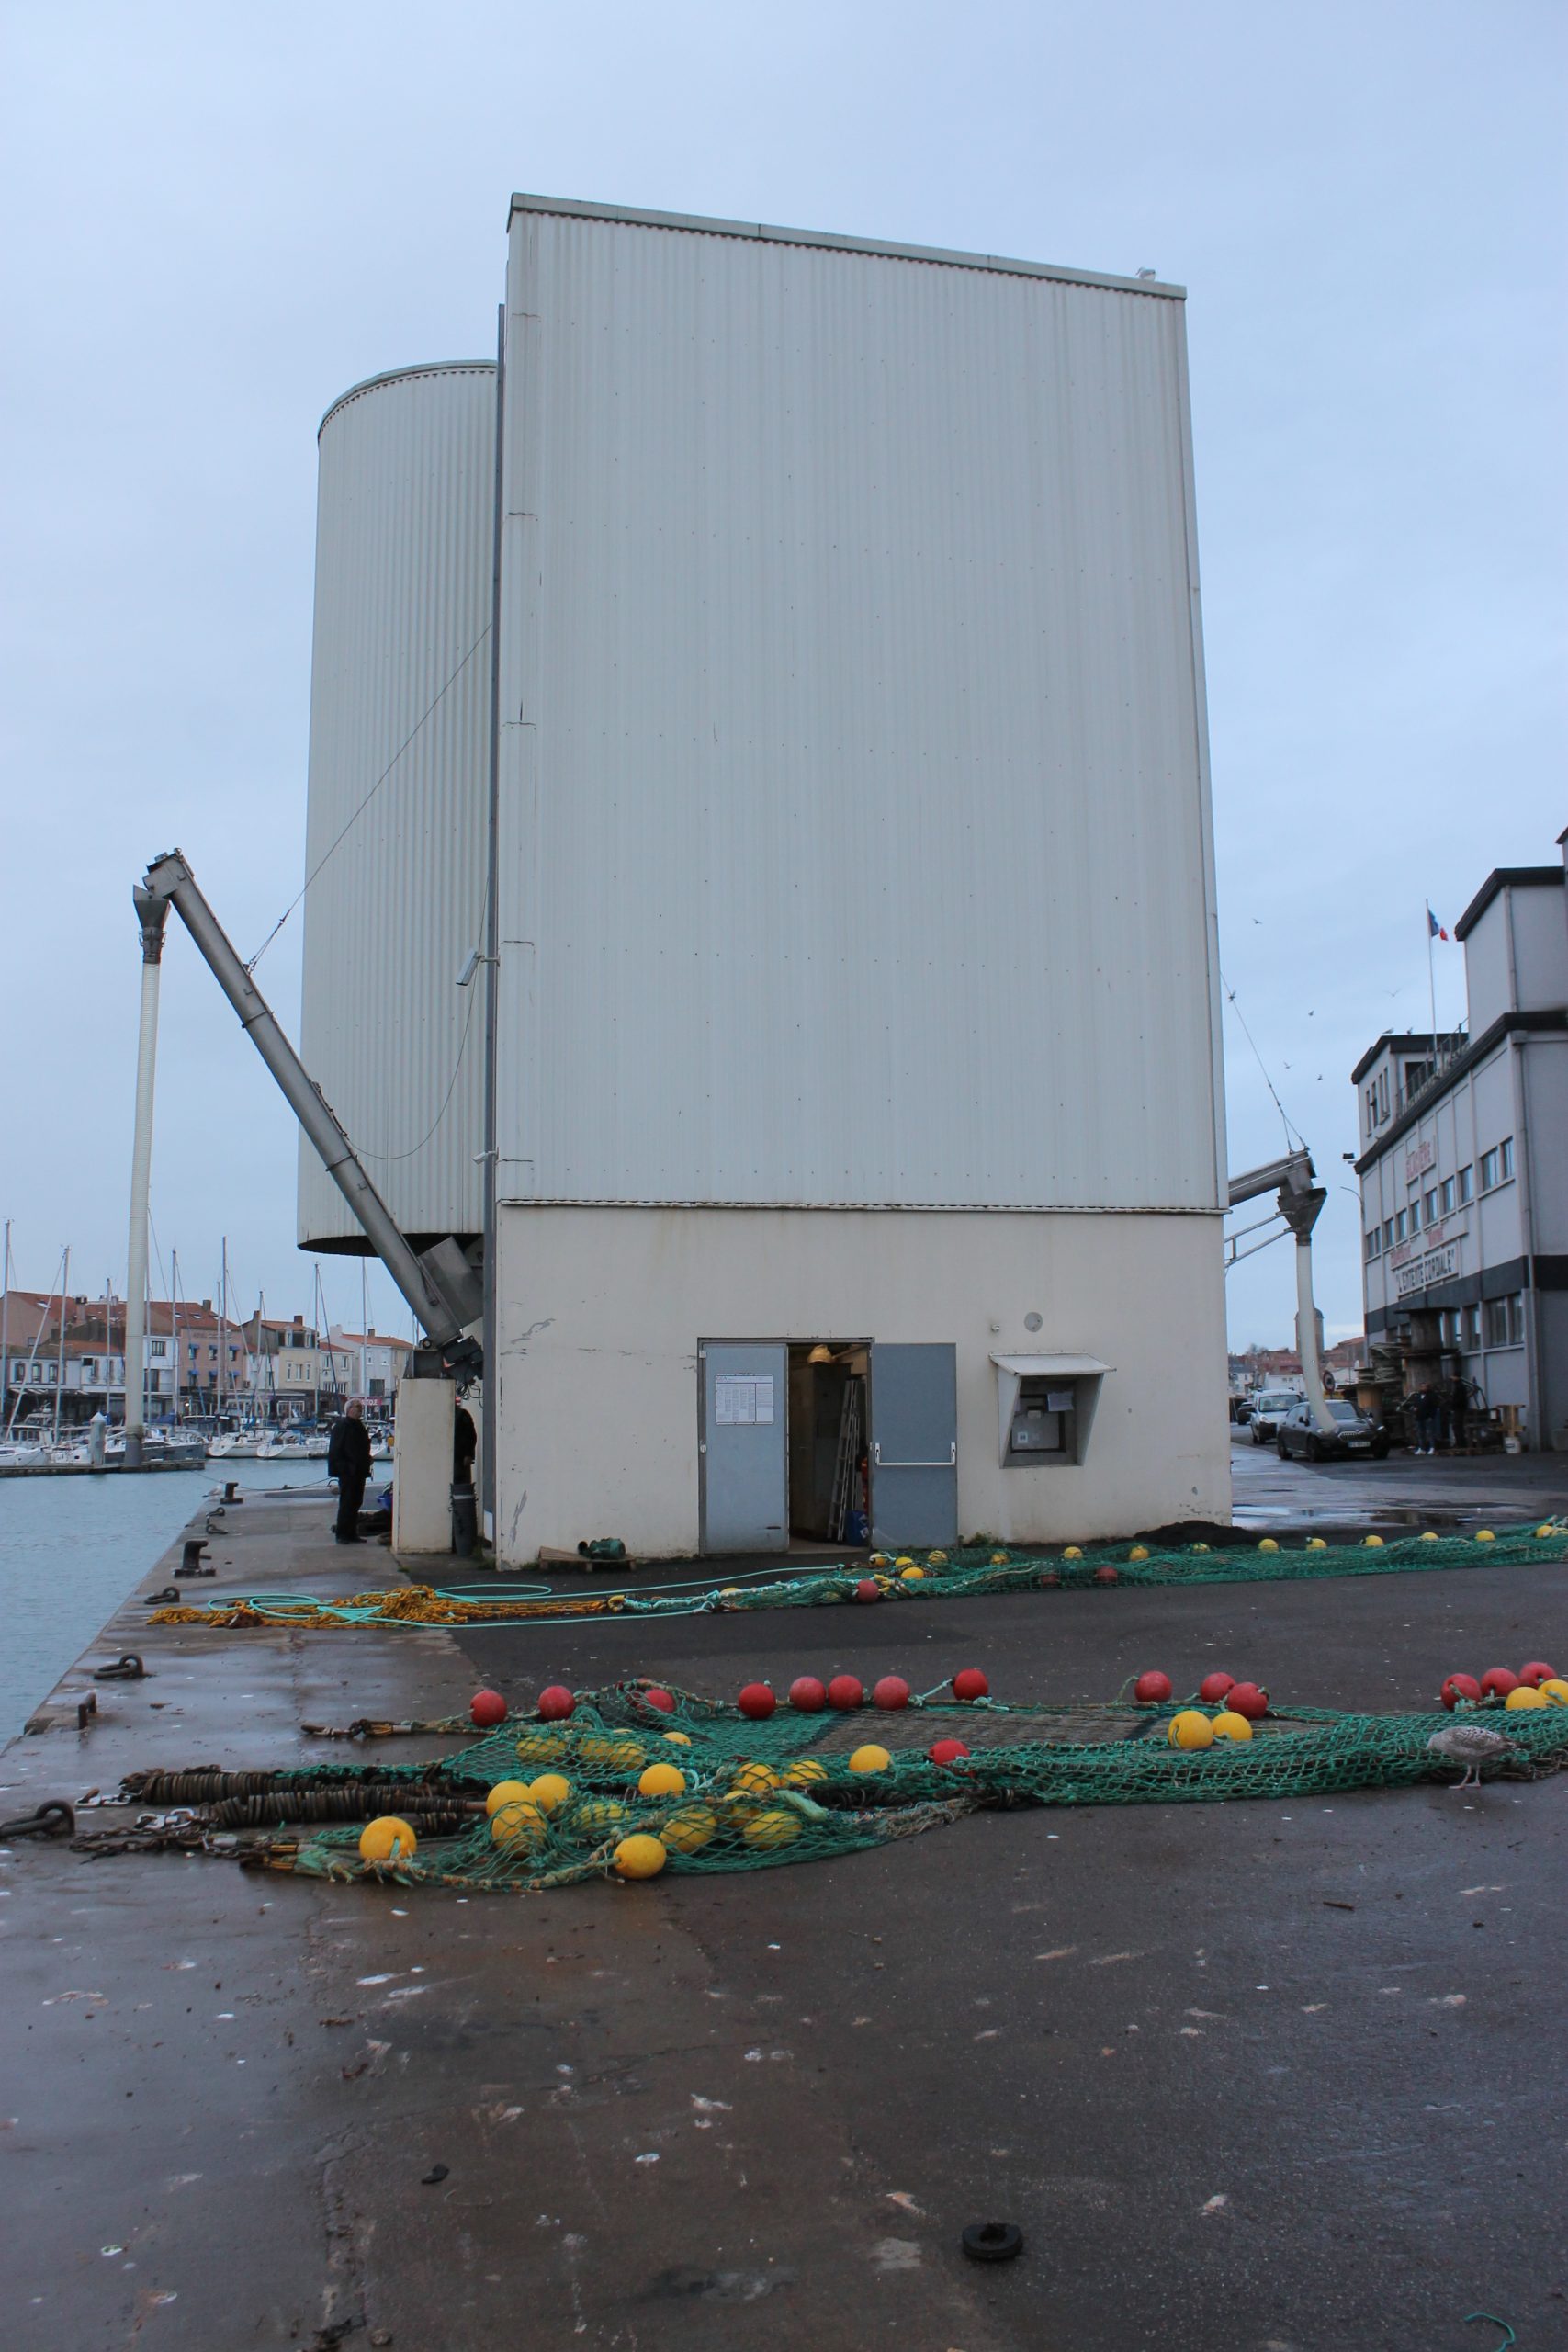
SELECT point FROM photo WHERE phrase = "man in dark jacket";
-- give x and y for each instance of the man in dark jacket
(348, 1461)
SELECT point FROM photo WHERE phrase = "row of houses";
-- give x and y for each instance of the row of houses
(197, 1365)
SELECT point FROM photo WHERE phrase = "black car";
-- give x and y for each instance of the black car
(1299, 1434)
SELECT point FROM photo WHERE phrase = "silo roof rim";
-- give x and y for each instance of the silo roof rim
(400, 375)
(574, 209)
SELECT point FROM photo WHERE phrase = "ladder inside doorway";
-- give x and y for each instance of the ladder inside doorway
(848, 1458)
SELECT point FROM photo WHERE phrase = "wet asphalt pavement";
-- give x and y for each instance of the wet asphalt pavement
(1273, 2077)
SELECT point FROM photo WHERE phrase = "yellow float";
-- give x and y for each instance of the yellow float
(550, 1792)
(505, 1792)
(1189, 1729)
(870, 1759)
(387, 1839)
(661, 1781)
(519, 1823)
(771, 1829)
(688, 1831)
(640, 1856)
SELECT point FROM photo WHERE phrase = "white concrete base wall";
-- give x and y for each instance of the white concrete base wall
(422, 1466)
(602, 1310)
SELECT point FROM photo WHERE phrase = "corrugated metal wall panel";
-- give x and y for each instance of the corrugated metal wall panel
(404, 566)
(855, 837)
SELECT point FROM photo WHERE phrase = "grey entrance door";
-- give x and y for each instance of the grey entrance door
(744, 1458)
(914, 1445)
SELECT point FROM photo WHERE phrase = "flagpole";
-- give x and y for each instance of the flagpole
(1431, 987)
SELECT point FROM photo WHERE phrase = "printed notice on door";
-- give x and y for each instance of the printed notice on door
(742, 1400)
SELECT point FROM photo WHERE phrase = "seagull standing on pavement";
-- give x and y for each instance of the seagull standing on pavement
(1472, 1745)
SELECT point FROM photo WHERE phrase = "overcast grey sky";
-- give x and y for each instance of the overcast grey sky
(218, 217)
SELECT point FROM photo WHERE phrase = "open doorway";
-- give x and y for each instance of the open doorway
(828, 1443)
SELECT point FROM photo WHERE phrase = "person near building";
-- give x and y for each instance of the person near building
(348, 1461)
(1456, 1405)
(465, 1446)
(1428, 1407)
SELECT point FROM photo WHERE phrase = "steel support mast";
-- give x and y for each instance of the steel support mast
(1300, 1203)
(151, 913)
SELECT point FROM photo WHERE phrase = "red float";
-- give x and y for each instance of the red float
(891, 1692)
(1496, 1682)
(1248, 1698)
(1106, 1574)
(868, 1590)
(970, 1684)
(807, 1693)
(757, 1702)
(1215, 1687)
(1458, 1687)
(844, 1692)
(946, 1751)
(555, 1704)
(486, 1708)
(1047, 1580)
(662, 1700)
(1537, 1672)
(1152, 1686)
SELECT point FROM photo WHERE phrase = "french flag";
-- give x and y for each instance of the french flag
(1434, 928)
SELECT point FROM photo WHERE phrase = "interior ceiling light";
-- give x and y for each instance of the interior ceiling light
(820, 1353)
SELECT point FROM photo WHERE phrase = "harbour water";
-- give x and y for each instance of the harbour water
(71, 1549)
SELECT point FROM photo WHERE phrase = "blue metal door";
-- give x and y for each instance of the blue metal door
(744, 1456)
(914, 1445)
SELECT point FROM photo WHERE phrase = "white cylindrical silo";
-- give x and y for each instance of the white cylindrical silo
(399, 753)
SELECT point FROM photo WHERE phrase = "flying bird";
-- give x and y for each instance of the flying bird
(1472, 1745)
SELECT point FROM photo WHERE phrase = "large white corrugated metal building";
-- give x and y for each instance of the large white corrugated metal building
(859, 1125)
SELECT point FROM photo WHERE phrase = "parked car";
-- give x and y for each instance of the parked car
(1269, 1407)
(1299, 1434)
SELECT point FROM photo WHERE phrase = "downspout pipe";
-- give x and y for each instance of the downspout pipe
(170, 880)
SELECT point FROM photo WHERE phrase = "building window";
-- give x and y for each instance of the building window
(1388, 1233)
(1466, 1185)
(1488, 1170)
(157, 1347)
(1400, 1224)
(1504, 1321)
(1506, 1158)
(1373, 1244)
(1382, 1094)
(1415, 1215)
(1431, 1208)
(1450, 1194)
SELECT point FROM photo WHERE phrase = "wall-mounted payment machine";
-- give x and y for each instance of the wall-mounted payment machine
(1046, 1407)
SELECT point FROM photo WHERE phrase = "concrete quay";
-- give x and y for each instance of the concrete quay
(1273, 2077)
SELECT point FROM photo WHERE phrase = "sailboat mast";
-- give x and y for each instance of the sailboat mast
(60, 1352)
(175, 1322)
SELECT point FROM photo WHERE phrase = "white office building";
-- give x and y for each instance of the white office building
(1464, 1144)
(859, 1136)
